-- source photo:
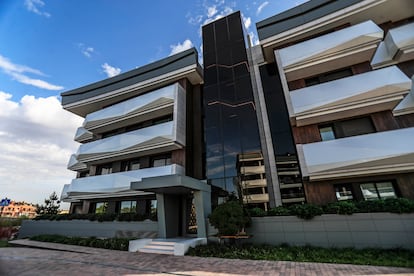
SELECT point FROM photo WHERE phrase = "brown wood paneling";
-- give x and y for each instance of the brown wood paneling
(296, 84)
(306, 134)
(384, 121)
(178, 157)
(319, 193)
(361, 68)
(405, 184)
(405, 120)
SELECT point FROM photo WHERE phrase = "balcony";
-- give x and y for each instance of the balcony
(256, 198)
(82, 135)
(151, 140)
(398, 46)
(357, 95)
(115, 183)
(332, 51)
(252, 170)
(257, 183)
(371, 154)
(142, 108)
(406, 106)
(75, 165)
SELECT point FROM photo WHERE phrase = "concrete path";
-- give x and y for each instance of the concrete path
(59, 259)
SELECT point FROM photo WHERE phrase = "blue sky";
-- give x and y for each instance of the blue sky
(51, 46)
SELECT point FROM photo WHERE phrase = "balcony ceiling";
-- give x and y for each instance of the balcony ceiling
(371, 154)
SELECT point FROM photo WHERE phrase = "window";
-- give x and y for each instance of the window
(161, 160)
(343, 192)
(104, 169)
(130, 165)
(346, 128)
(330, 76)
(379, 190)
(327, 133)
(101, 207)
(128, 207)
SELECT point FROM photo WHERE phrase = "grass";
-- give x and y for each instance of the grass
(381, 257)
(4, 243)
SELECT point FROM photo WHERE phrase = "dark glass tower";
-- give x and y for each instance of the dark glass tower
(230, 121)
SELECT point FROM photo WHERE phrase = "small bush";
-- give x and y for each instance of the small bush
(306, 211)
(279, 211)
(257, 212)
(229, 218)
(110, 243)
(341, 208)
(399, 205)
(370, 206)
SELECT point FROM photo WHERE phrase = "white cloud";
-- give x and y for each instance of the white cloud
(36, 141)
(179, 47)
(247, 22)
(35, 6)
(260, 8)
(110, 71)
(211, 11)
(17, 72)
(87, 51)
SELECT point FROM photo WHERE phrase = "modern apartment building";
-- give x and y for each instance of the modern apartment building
(322, 110)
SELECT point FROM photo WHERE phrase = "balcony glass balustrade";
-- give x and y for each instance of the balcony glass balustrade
(363, 155)
(91, 186)
(360, 94)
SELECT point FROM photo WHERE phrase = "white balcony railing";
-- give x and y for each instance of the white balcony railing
(376, 153)
(360, 94)
(252, 170)
(398, 46)
(141, 108)
(256, 183)
(256, 198)
(92, 186)
(331, 51)
(154, 139)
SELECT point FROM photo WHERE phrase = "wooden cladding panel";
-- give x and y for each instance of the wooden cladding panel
(319, 193)
(178, 157)
(406, 185)
(361, 68)
(405, 120)
(384, 121)
(306, 134)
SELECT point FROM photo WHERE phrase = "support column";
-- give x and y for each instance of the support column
(202, 202)
(162, 229)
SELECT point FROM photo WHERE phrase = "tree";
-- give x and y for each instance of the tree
(229, 218)
(51, 206)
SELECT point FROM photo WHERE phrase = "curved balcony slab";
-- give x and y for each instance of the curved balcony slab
(360, 94)
(153, 139)
(406, 106)
(331, 51)
(138, 109)
(370, 154)
(398, 46)
(94, 186)
(75, 165)
(82, 135)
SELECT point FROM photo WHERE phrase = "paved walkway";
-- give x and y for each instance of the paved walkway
(59, 259)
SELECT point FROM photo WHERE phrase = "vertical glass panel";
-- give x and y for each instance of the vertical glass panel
(327, 133)
(128, 206)
(369, 191)
(101, 207)
(386, 190)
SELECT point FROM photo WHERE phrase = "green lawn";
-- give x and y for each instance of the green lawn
(381, 257)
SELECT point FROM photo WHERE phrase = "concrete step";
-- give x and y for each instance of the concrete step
(157, 251)
(160, 247)
(166, 243)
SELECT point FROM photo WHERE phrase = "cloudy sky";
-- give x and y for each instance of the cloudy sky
(48, 47)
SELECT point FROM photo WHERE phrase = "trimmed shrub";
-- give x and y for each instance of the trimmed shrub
(279, 211)
(306, 211)
(341, 208)
(257, 212)
(229, 218)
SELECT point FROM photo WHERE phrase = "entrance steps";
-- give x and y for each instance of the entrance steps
(177, 246)
(159, 247)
